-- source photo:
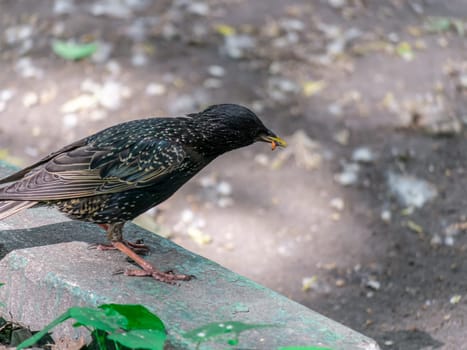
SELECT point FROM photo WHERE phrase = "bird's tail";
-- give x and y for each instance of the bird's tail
(8, 208)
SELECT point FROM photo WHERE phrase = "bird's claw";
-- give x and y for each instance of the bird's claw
(167, 277)
(138, 247)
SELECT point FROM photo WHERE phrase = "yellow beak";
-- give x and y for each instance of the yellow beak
(274, 140)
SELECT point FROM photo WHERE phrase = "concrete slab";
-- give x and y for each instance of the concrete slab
(44, 278)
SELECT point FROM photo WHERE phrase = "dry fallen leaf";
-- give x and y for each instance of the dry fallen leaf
(455, 299)
(199, 236)
(80, 103)
(313, 87)
(225, 30)
(404, 50)
(307, 283)
(342, 137)
(413, 226)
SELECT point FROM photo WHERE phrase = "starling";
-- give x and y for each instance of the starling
(113, 176)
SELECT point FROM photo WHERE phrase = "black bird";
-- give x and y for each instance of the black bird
(113, 176)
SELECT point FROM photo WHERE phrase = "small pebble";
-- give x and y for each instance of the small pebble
(335, 109)
(463, 81)
(449, 241)
(18, 33)
(293, 24)
(116, 9)
(36, 131)
(235, 46)
(207, 181)
(373, 284)
(337, 203)
(224, 188)
(26, 69)
(216, 71)
(349, 175)
(386, 215)
(62, 7)
(113, 67)
(258, 106)
(139, 59)
(187, 215)
(155, 89)
(340, 282)
(6, 95)
(225, 202)
(411, 191)
(338, 4)
(30, 99)
(70, 121)
(436, 240)
(103, 52)
(58, 29)
(198, 8)
(212, 83)
(111, 94)
(363, 155)
(262, 159)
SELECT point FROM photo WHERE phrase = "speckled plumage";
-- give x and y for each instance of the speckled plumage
(120, 172)
(114, 175)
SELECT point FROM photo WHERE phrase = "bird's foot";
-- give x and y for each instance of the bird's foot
(138, 247)
(167, 277)
(147, 269)
(114, 234)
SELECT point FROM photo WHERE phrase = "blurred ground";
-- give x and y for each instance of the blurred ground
(361, 218)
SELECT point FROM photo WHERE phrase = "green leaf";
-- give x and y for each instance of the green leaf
(104, 320)
(303, 348)
(438, 24)
(99, 337)
(73, 51)
(210, 330)
(444, 24)
(151, 339)
(36, 337)
(138, 316)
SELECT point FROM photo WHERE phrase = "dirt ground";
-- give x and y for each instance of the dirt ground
(360, 218)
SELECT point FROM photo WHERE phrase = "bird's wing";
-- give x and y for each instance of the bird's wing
(20, 174)
(89, 170)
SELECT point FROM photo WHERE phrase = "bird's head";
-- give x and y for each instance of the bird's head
(232, 126)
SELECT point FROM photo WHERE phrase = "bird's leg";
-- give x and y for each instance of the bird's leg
(115, 236)
(147, 268)
(114, 233)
